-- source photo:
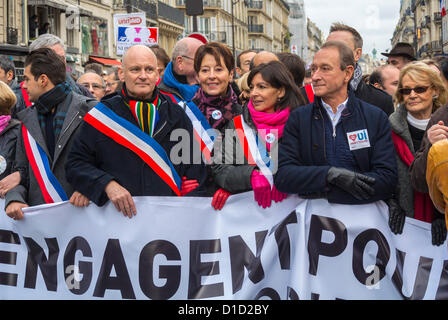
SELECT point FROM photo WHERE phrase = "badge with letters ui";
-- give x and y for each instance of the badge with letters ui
(358, 139)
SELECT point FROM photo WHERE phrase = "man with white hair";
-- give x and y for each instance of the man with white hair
(123, 147)
(57, 45)
(93, 82)
(179, 79)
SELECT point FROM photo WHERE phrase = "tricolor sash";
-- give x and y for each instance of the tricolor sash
(309, 92)
(130, 136)
(49, 185)
(203, 132)
(253, 148)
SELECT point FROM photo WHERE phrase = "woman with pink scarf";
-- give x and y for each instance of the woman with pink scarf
(9, 130)
(273, 96)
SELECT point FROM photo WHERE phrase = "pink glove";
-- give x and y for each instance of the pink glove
(187, 186)
(220, 198)
(278, 196)
(262, 189)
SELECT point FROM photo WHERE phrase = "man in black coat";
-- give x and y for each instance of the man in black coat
(106, 168)
(363, 91)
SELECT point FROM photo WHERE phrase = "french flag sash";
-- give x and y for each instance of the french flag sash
(253, 148)
(28, 103)
(130, 136)
(203, 133)
(49, 185)
(309, 92)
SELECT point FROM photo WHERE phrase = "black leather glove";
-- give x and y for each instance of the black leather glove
(438, 230)
(358, 185)
(397, 216)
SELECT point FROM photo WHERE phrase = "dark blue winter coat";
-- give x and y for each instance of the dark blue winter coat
(304, 153)
(95, 159)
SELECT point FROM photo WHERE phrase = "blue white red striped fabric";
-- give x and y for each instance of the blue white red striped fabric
(253, 148)
(133, 138)
(48, 183)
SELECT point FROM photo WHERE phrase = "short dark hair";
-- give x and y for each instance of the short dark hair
(444, 68)
(276, 74)
(218, 51)
(160, 54)
(346, 57)
(46, 61)
(337, 26)
(295, 65)
(238, 59)
(7, 65)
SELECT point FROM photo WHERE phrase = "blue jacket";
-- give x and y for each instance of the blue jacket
(303, 158)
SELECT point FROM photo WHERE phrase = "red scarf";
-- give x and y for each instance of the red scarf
(423, 206)
(267, 122)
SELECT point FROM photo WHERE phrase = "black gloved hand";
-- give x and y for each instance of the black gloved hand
(358, 185)
(397, 216)
(438, 231)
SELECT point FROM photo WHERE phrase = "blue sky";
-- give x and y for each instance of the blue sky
(374, 19)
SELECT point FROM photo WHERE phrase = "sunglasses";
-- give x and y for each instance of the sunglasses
(407, 91)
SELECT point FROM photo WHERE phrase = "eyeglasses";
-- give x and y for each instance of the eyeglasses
(95, 86)
(407, 91)
(110, 84)
(187, 57)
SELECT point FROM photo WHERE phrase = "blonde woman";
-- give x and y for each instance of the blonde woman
(9, 129)
(420, 93)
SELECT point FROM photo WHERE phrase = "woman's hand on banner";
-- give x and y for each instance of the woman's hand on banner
(9, 182)
(219, 199)
(278, 196)
(187, 186)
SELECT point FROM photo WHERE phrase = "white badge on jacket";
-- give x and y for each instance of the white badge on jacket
(358, 139)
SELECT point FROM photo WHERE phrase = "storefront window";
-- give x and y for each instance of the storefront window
(94, 36)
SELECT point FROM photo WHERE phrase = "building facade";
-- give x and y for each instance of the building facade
(298, 29)
(420, 24)
(315, 40)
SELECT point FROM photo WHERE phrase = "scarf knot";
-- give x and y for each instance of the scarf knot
(269, 124)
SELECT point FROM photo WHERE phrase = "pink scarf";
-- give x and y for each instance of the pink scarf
(4, 120)
(267, 122)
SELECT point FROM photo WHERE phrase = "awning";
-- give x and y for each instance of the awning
(109, 62)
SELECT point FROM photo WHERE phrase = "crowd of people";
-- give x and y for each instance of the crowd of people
(201, 124)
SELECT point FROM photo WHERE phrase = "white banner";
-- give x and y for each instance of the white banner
(134, 19)
(180, 248)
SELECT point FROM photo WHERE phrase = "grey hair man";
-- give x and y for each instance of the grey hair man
(179, 78)
(57, 45)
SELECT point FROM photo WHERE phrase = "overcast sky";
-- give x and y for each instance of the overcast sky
(375, 20)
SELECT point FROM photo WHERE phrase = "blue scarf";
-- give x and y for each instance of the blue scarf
(187, 91)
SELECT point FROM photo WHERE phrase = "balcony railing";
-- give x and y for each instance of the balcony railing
(437, 17)
(169, 13)
(149, 7)
(255, 5)
(206, 3)
(255, 28)
(435, 45)
(216, 36)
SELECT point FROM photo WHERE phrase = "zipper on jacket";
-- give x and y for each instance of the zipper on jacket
(158, 131)
(323, 126)
(62, 134)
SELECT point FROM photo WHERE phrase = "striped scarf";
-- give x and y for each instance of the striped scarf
(145, 113)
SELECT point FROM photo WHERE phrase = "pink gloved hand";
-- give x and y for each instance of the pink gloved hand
(262, 189)
(187, 186)
(278, 196)
(219, 199)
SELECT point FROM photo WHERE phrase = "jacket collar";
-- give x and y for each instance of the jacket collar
(348, 110)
